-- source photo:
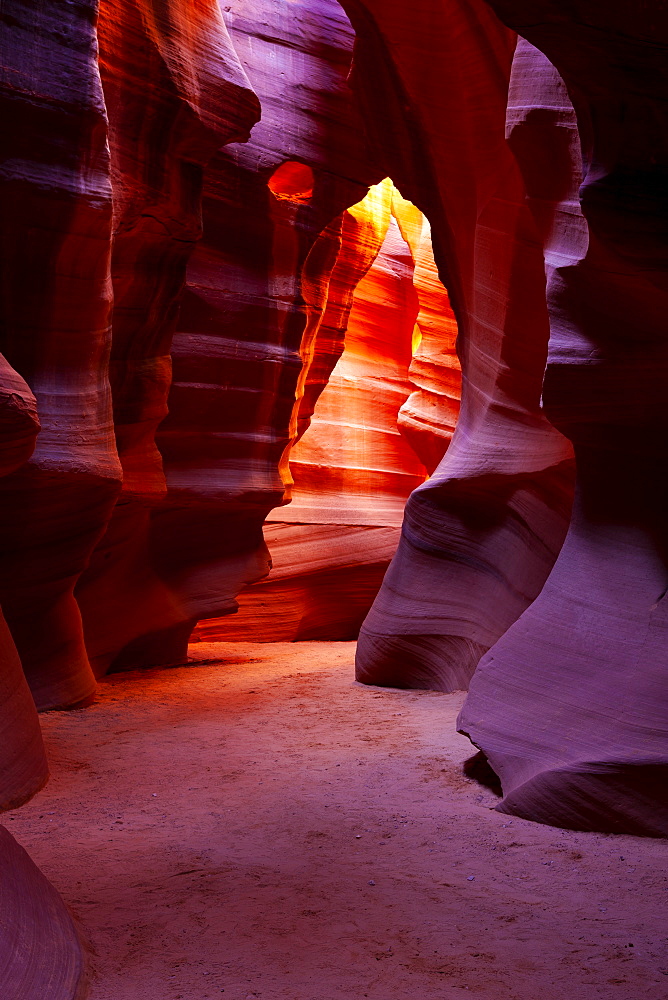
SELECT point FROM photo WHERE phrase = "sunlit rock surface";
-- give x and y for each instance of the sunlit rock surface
(480, 537)
(254, 295)
(326, 356)
(353, 467)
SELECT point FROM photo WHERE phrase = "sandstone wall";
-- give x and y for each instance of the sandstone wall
(480, 537)
(570, 706)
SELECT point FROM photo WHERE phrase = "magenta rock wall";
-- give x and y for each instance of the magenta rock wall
(570, 706)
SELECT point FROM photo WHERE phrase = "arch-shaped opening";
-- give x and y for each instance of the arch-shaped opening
(292, 181)
(381, 393)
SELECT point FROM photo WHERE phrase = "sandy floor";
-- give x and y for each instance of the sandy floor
(257, 825)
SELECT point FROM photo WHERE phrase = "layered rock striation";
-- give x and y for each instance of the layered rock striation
(480, 537)
(207, 318)
(41, 955)
(55, 331)
(175, 91)
(254, 296)
(23, 767)
(570, 705)
(364, 423)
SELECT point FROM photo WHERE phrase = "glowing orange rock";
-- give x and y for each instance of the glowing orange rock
(252, 304)
(429, 416)
(480, 536)
(352, 468)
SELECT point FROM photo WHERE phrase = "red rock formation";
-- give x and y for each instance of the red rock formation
(290, 271)
(55, 331)
(23, 767)
(570, 706)
(323, 580)
(351, 468)
(175, 91)
(41, 956)
(428, 417)
(255, 294)
(480, 537)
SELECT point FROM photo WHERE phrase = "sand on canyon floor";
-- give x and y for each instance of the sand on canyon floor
(258, 825)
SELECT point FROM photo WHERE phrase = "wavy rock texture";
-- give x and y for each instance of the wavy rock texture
(323, 580)
(480, 537)
(41, 956)
(428, 417)
(570, 706)
(255, 293)
(55, 332)
(23, 768)
(352, 467)
(175, 92)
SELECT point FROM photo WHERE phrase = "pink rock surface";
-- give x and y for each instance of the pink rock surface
(41, 956)
(480, 537)
(56, 303)
(257, 791)
(570, 706)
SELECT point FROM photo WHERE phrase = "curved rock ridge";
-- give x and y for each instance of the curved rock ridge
(352, 465)
(23, 767)
(55, 332)
(481, 535)
(428, 417)
(326, 353)
(41, 955)
(322, 582)
(175, 91)
(254, 296)
(570, 706)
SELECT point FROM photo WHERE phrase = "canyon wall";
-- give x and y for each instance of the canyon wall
(58, 486)
(175, 91)
(208, 324)
(382, 384)
(254, 295)
(23, 768)
(55, 331)
(481, 535)
(570, 705)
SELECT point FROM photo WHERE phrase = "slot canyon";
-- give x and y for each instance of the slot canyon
(334, 535)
